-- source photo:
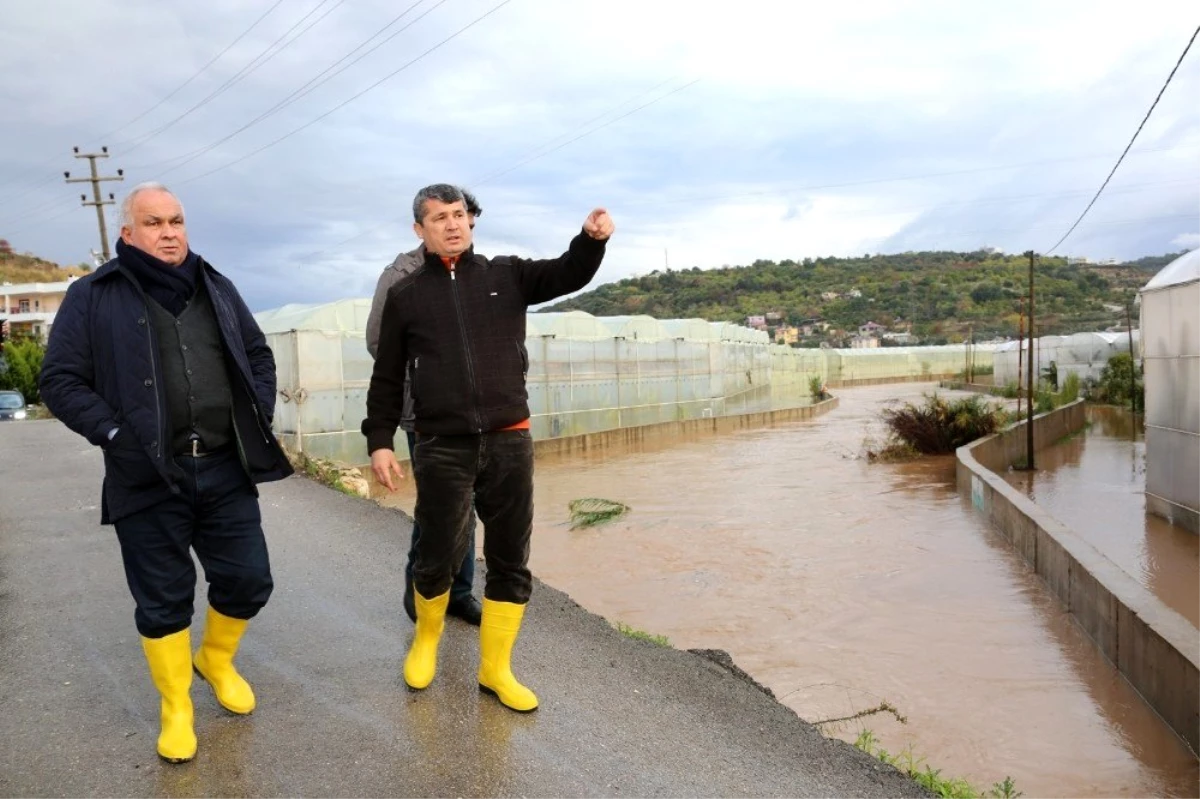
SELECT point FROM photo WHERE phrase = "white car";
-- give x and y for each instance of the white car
(12, 406)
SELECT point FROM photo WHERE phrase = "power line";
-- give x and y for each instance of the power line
(581, 126)
(537, 152)
(1131, 141)
(41, 208)
(197, 73)
(39, 222)
(353, 97)
(582, 135)
(874, 181)
(849, 184)
(50, 161)
(315, 82)
(254, 64)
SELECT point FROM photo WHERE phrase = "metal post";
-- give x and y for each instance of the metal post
(1029, 424)
(1020, 352)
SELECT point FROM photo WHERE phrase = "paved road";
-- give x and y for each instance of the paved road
(79, 716)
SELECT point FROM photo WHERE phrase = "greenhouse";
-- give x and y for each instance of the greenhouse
(1171, 350)
(566, 324)
(1084, 354)
(635, 328)
(586, 374)
(690, 329)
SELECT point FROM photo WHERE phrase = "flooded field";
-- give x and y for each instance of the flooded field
(1094, 484)
(841, 584)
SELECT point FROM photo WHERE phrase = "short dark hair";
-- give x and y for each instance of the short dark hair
(472, 204)
(442, 192)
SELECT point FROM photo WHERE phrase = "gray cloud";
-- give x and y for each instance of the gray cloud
(810, 131)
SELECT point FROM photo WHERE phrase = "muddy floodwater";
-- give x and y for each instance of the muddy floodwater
(840, 585)
(1094, 484)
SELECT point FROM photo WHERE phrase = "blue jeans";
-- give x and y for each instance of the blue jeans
(460, 588)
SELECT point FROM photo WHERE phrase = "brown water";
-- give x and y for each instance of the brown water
(1094, 484)
(840, 584)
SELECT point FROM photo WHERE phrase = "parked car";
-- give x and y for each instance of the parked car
(12, 406)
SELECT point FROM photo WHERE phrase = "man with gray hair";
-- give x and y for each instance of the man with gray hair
(455, 329)
(156, 359)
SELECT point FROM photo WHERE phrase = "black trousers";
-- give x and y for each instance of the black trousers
(217, 515)
(497, 468)
(464, 578)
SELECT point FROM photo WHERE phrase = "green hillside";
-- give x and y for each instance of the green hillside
(28, 268)
(940, 294)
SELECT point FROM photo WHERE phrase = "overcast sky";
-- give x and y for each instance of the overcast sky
(714, 133)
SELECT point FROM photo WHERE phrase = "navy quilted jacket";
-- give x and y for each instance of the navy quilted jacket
(101, 371)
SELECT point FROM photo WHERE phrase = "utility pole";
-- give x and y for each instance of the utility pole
(1020, 351)
(1132, 363)
(96, 180)
(1029, 424)
(971, 353)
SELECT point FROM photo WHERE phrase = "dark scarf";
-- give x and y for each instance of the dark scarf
(170, 286)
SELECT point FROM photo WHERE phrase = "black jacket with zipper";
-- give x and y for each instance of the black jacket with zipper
(102, 371)
(461, 334)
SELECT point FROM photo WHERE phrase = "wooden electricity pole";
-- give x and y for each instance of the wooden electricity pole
(96, 179)
(1032, 390)
(1020, 352)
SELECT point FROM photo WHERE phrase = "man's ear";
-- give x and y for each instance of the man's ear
(420, 231)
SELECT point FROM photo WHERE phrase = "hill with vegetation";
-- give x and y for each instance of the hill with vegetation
(28, 268)
(937, 296)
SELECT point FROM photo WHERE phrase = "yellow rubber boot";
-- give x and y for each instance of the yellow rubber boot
(421, 664)
(214, 662)
(497, 633)
(170, 660)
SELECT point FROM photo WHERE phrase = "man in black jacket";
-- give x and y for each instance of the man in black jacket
(463, 603)
(156, 359)
(456, 327)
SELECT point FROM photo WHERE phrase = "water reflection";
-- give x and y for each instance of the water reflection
(1094, 483)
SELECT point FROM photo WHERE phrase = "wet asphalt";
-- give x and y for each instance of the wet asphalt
(618, 717)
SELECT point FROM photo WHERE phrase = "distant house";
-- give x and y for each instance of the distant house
(855, 293)
(863, 342)
(30, 308)
(829, 296)
(774, 316)
(870, 329)
(900, 338)
(787, 335)
(757, 322)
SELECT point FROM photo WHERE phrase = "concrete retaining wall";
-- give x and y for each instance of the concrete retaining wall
(1151, 645)
(687, 428)
(879, 381)
(978, 388)
(684, 429)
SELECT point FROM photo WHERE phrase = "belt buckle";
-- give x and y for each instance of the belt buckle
(195, 448)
